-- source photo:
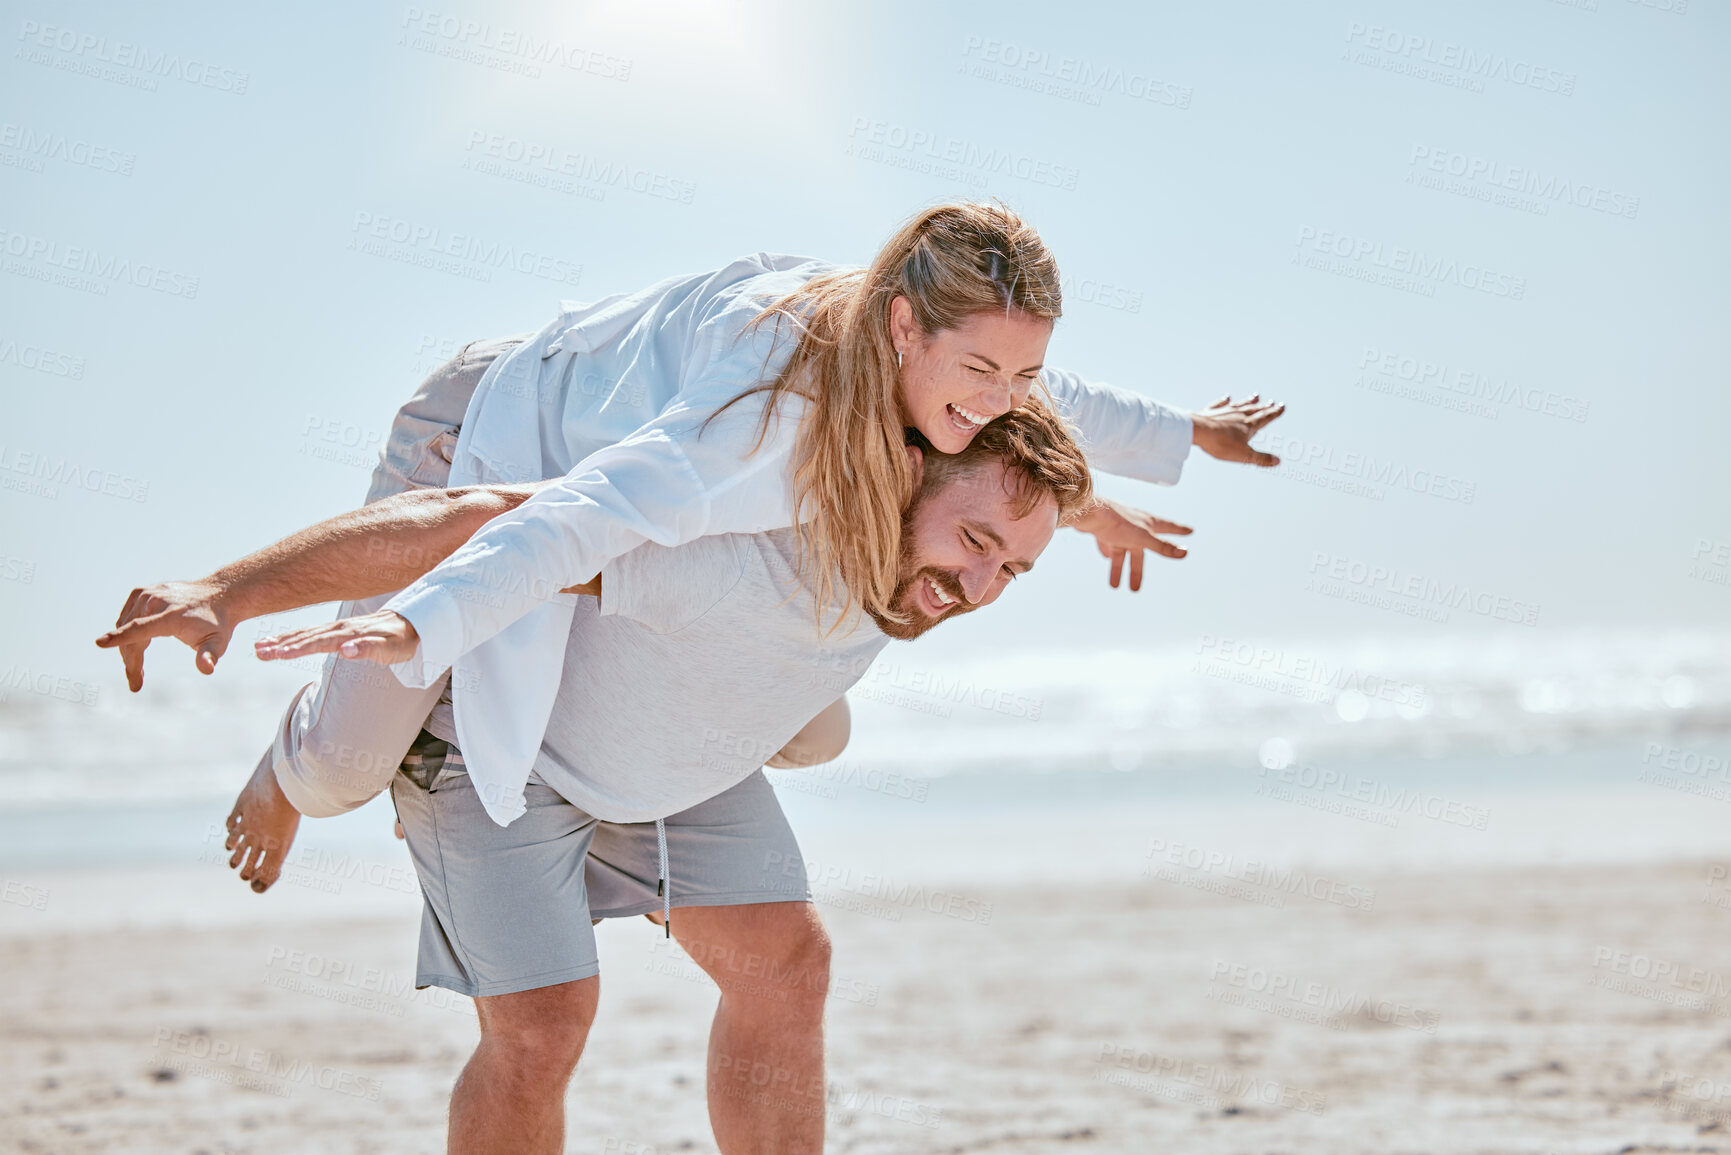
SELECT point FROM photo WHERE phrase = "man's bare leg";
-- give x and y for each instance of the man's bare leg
(766, 1069)
(510, 1098)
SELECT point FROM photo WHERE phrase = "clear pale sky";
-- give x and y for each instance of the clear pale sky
(1187, 163)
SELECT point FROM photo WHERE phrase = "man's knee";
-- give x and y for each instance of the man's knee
(543, 1029)
(810, 950)
(777, 951)
(807, 939)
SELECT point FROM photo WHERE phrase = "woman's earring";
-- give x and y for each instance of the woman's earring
(898, 358)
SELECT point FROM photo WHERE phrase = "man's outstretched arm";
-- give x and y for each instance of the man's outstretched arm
(376, 549)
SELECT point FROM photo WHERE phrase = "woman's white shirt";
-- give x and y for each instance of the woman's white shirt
(619, 400)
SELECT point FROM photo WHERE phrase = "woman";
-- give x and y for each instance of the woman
(774, 392)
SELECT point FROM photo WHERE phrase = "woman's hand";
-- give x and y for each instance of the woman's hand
(385, 637)
(1225, 428)
(1121, 530)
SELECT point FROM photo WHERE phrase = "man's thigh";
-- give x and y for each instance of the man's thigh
(734, 849)
(506, 909)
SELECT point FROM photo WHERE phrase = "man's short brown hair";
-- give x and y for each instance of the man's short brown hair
(1037, 448)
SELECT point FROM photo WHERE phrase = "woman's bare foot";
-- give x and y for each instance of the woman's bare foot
(261, 828)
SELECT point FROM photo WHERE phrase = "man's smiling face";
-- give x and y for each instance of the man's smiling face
(963, 542)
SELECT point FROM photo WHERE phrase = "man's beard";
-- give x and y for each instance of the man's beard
(905, 603)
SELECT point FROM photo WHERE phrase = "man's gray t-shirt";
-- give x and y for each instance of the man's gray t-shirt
(697, 664)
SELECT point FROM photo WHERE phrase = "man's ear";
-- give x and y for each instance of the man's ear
(917, 464)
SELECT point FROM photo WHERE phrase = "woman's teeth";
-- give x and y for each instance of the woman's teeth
(944, 599)
(968, 416)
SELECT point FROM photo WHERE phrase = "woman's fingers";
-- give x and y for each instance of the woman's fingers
(382, 637)
(321, 639)
(371, 648)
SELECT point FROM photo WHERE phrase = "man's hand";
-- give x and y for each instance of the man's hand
(385, 637)
(194, 612)
(1120, 530)
(1225, 428)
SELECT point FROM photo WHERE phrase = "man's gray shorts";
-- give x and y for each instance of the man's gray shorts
(508, 908)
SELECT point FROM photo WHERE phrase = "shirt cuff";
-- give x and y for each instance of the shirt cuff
(1172, 443)
(434, 615)
(616, 586)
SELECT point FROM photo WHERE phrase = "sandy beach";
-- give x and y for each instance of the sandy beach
(1527, 1009)
(1356, 780)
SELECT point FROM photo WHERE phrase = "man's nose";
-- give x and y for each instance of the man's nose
(977, 582)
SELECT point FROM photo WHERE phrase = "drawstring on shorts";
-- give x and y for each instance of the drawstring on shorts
(664, 887)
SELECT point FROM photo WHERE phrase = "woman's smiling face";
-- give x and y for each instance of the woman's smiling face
(955, 380)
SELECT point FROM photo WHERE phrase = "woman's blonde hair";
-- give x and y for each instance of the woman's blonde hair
(851, 478)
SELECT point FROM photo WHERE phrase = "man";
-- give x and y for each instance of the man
(343, 736)
(685, 669)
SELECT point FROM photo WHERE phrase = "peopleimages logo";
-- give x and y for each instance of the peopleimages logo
(1543, 187)
(1278, 879)
(1375, 794)
(920, 149)
(1325, 1004)
(1398, 259)
(1068, 77)
(1404, 52)
(40, 146)
(1269, 666)
(65, 689)
(1326, 568)
(483, 42)
(42, 360)
(1658, 979)
(78, 262)
(84, 49)
(41, 474)
(1470, 385)
(1223, 1083)
(583, 168)
(463, 253)
(1299, 455)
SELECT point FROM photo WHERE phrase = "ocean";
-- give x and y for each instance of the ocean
(1379, 754)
